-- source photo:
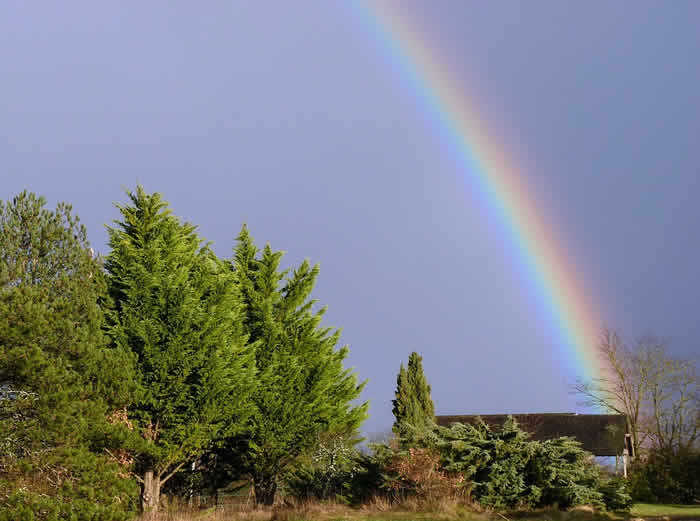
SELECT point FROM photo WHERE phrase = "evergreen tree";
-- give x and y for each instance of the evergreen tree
(413, 407)
(176, 308)
(59, 382)
(303, 388)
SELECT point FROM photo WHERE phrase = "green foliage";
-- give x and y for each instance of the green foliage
(412, 407)
(504, 469)
(327, 471)
(508, 470)
(615, 490)
(71, 483)
(667, 478)
(494, 461)
(568, 476)
(304, 390)
(176, 308)
(59, 381)
(312, 483)
(368, 478)
(357, 480)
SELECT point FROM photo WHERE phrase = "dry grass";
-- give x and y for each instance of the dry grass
(341, 513)
(379, 509)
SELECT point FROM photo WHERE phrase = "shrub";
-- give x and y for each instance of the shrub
(667, 478)
(505, 469)
(327, 470)
(306, 483)
(73, 484)
(417, 472)
(495, 462)
(367, 479)
(616, 496)
(565, 474)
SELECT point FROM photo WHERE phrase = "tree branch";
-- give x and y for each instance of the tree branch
(166, 478)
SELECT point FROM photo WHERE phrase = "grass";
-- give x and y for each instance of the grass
(676, 511)
(326, 512)
(444, 512)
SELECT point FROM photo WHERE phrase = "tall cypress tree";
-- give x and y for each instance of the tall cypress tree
(303, 387)
(177, 309)
(413, 407)
(59, 381)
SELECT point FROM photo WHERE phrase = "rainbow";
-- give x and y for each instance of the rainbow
(553, 275)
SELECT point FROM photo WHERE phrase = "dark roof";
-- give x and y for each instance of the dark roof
(600, 434)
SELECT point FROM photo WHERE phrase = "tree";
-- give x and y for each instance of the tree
(176, 308)
(673, 424)
(303, 387)
(59, 380)
(413, 407)
(657, 391)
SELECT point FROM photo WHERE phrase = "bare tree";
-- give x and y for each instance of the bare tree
(659, 393)
(673, 422)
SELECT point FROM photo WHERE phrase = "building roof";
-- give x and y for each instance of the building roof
(600, 434)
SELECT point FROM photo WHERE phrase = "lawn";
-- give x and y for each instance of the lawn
(673, 511)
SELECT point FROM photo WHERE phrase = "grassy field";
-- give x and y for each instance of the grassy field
(332, 512)
(674, 511)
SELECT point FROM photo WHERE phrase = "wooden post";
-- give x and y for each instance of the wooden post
(191, 491)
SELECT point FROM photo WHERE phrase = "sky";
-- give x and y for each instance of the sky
(299, 119)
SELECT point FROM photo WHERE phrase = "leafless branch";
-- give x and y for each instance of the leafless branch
(658, 393)
(166, 478)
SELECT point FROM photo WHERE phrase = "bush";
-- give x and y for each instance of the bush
(666, 478)
(495, 462)
(568, 476)
(417, 472)
(503, 469)
(367, 479)
(327, 470)
(615, 493)
(67, 484)
(306, 483)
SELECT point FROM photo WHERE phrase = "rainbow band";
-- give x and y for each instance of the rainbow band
(553, 276)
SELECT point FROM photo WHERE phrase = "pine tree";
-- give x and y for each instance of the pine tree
(176, 308)
(303, 388)
(413, 407)
(59, 381)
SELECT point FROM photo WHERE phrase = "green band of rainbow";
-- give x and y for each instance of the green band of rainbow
(553, 276)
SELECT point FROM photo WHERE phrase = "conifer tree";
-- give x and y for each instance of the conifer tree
(59, 381)
(176, 308)
(413, 407)
(303, 387)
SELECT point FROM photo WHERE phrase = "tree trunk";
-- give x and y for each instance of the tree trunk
(150, 497)
(265, 490)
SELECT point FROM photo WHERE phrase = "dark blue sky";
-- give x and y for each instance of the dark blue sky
(293, 117)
